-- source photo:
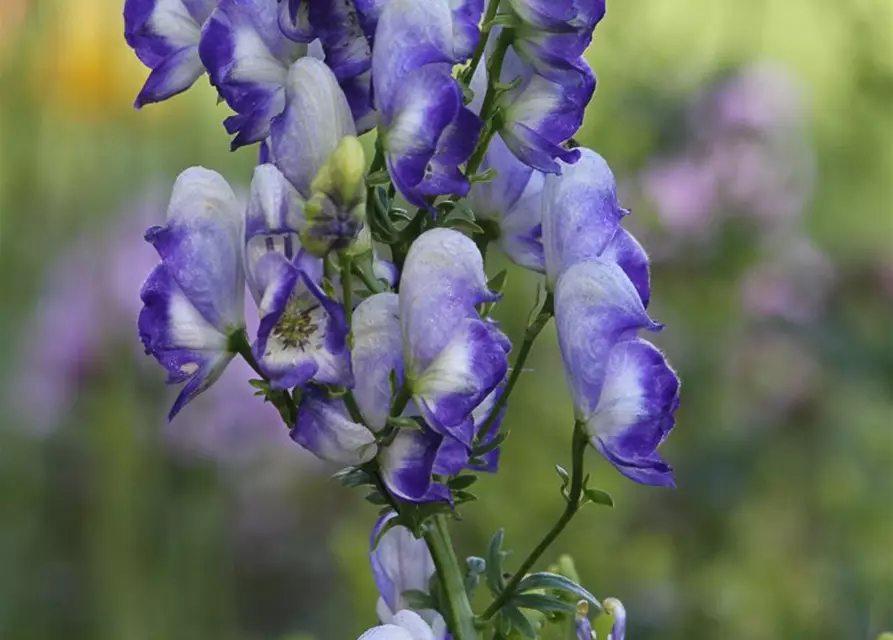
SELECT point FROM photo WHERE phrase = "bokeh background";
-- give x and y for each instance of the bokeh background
(754, 143)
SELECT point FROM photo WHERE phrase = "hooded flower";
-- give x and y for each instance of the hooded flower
(512, 203)
(405, 625)
(624, 391)
(453, 358)
(165, 36)
(400, 563)
(247, 56)
(427, 132)
(302, 333)
(543, 111)
(615, 609)
(325, 427)
(314, 144)
(193, 300)
(581, 221)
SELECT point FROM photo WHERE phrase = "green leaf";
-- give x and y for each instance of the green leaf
(497, 282)
(486, 176)
(543, 602)
(461, 497)
(375, 497)
(378, 178)
(546, 580)
(462, 482)
(598, 496)
(353, 477)
(260, 384)
(492, 445)
(565, 476)
(465, 226)
(519, 621)
(495, 556)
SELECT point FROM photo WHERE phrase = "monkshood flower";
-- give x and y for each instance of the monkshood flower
(165, 35)
(400, 563)
(512, 205)
(325, 427)
(425, 129)
(248, 56)
(405, 625)
(193, 301)
(583, 628)
(616, 610)
(624, 391)
(581, 221)
(553, 34)
(302, 333)
(453, 358)
(314, 144)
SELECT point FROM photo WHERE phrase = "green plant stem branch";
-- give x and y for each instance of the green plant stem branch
(494, 71)
(530, 335)
(458, 608)
(368, 279)
(478, 54)
(402, 399)
(573, 497)
(346, 286)
(240, 344)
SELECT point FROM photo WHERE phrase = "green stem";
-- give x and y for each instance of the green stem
(458, 609)
(368, 279)
(478, 54)
(400, 402)
(494, 70)
(530, 335)
(574, 495)
(346, 286)
(239, 343)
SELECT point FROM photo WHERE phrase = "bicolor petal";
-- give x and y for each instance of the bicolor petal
(377, 352)
(513, 203)
(581, 213)
(400, 563)
(315, 120)
(324, 428)
(443, 280)
(247, 57)
(405, 625)
(635, 412)
(614, 607)
(303, 333)
(194, 300)
(165, 34)
(626, 251)
(407, 464)
(465, 371)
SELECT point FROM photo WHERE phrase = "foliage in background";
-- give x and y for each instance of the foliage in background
(781, 526)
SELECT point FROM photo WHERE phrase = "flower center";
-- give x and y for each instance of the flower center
(298, 324)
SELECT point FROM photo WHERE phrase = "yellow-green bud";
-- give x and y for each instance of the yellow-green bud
(334, 213)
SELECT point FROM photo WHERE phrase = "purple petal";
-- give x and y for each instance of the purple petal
(407, 464)
(466, 32)
(452, 457)
(201, 246)
(635, 412)
(377, 351)
(156, 29)
(175, 333)
(596, 305)
(581, 213)
(171, 76)
(618, 612)
(324, 428)
(466, 370)
(442, 281)
(626, 251)
(400, 562)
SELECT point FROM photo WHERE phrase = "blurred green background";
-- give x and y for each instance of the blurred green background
(754, 143)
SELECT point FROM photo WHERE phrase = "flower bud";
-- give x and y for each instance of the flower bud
(334, 213)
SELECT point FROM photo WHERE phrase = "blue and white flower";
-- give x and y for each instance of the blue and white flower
(165, 36)
(512, 205)
(400, 563)
(427, 132)
(248, 56)
(453, 358)
(405, 625)
(624, 391)
(194, 300)
(302, 332)
(616, 610)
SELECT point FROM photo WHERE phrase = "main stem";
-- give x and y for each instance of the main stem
(459, 615)
(575, 493)
(468, 74)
